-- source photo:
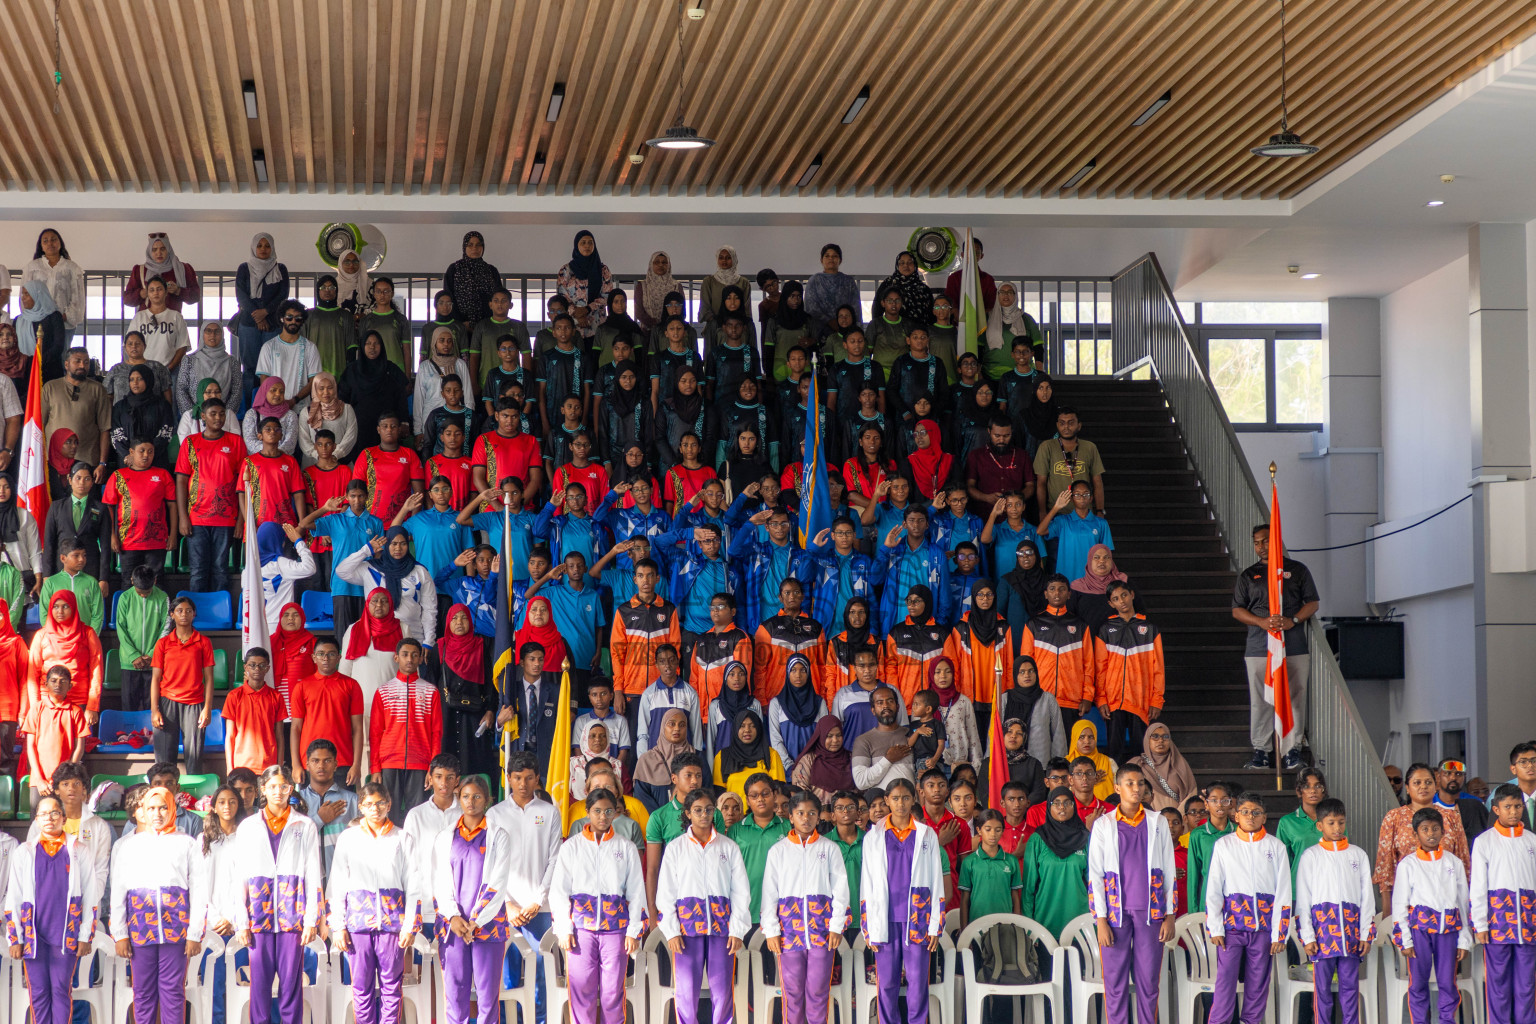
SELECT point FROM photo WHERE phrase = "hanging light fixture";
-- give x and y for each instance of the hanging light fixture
(680, 135)
(1286, 142)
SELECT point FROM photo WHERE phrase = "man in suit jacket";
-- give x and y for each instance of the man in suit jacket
(78, 514)
(534, 698)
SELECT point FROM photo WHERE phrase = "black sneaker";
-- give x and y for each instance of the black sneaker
(1260, 759)
(1292, 761)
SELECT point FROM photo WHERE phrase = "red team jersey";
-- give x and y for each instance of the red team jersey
(140, 496)
(458, 472)
(389, 476)
(211, 469)
(320, 486)
(277, 480)
(592, 477)
(505, 456)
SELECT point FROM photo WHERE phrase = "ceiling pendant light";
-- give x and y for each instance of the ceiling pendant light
(680, 135)
(1286, 142)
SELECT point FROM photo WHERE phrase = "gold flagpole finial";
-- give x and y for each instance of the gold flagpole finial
(1272, 469)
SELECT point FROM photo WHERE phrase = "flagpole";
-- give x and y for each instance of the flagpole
(1279, 786)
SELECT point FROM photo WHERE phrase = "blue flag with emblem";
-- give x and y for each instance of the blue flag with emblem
(815, 504)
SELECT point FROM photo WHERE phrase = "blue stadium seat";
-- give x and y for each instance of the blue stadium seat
(112, 612)
(33, 617)
(318, 610)
(213, 736)
(214, 610)
(114, 722)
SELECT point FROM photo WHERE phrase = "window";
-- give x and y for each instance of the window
(1265, 359)
(1453, 740)
(1421, 742)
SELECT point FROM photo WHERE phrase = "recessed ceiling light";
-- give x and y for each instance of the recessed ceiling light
(1151, 112)
(1308, 277)
(1435, 202)
(1077, 178)
(248, 90)
(556, 101)
(259, 159)
(810, 172)
(857, 105)
(536, 172)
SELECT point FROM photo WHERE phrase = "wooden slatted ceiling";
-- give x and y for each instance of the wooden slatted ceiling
(998, 98)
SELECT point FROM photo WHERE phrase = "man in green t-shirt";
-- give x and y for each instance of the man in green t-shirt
(755, 834)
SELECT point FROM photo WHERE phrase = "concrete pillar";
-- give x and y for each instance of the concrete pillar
(1504, 603)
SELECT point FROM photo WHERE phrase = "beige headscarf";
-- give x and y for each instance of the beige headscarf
(730, 274)
(657, 287)
(353, 286)
(445, 364)
(320, 412)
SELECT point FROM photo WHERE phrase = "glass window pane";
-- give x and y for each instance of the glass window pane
(1298, 381)
(1237, 370)
(1262, 313)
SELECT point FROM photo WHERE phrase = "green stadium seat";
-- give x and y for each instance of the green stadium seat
(24, 798)
(7, 797)
(112, 674)
(221, 670)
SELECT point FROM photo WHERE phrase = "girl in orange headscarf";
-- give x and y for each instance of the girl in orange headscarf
(65, 640)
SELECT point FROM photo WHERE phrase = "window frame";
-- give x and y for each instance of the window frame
(1201, 334)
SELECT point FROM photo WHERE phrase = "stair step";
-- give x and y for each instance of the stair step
(1137, 563)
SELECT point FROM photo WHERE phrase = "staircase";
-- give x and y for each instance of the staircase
(1170, 545)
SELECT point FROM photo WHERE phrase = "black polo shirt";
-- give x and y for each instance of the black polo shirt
(1252, 593)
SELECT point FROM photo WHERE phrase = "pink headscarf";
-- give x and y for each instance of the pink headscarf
(263, 406)
(1089, 583)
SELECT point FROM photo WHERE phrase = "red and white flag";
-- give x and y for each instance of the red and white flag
(254, 632)
(1277, 685)
(32, 478)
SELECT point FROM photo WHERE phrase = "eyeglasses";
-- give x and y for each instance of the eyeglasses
(1525, 762)
(1227, 802)
(1396, 780)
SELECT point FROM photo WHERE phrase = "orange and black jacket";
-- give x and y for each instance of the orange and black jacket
(777, 638)
(1063, 651)
(638, 629)
(979, 666)
(905, 655)
(837, 662)
(712, 652)
(1129, 666)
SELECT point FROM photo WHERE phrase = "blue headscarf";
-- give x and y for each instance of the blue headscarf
(27, 320)
(269, 542)
(391, 568)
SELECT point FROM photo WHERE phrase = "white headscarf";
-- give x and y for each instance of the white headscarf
(730, 274)
(657, 287)
(352, 286)
(172, 265)
(263, 271)
(999, 314)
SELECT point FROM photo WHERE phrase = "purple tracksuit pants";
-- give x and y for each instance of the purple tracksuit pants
(1511, 985)
(159, 981)
(472, 968)
(1244, 958)
(895, 957)
(805, 978)
(704, 955)
(376, 954)
(1433, 955)
(1137, 955)
(279, 955)
(49, 977)
(594, 970)
(1347, 970)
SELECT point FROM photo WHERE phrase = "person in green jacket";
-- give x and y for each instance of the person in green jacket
(13, 593)
(143, 614)
(1202, 839)
(1055, 865)
(1298, 830)
(88, 591)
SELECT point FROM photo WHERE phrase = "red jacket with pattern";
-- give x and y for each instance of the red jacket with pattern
(405, 725)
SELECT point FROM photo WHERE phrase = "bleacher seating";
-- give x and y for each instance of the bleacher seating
(319, 612)
(215, 610)
(114, 722)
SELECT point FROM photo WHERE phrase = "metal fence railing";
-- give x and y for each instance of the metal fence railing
(1149, 333)
(1073, 312)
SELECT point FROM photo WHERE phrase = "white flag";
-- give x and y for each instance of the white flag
(254, 632)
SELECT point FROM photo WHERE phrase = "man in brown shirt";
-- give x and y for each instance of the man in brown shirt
(81, 404)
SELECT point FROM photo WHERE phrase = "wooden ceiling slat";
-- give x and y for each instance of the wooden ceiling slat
(1052, 83)
(1252, 117)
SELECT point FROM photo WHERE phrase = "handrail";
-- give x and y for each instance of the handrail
(1149, 331)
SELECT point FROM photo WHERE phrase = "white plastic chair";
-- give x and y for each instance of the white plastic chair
(19, 998)
(659, 995)
(842, 992)
(1036, 994)
(200, 988)
(1192, 959)
(1394, 974)
(941, 994)
(415, 988)
(237, 986)
(1085, 975)
(557, 985)
(1292, 981)
(763, 992)
(100, 995)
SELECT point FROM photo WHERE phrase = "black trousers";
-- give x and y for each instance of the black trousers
(133, 559)
(346, 611)
(1126, 732)
(180, 728)
(136, 689)
(406, 789)
(7, 748)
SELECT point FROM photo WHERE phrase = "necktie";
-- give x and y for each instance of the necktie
(79, 510)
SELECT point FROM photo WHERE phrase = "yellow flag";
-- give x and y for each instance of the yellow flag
(557, 779)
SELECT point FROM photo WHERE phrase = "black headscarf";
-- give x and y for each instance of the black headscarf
(624, 402)
(1040, 417)
(10, 517)
(916, 296)
(1029, 583)
(743, 470)
(624, 473)
(1063, 837)
(670, 298)
(687, 407)
(858, 637)
(372, 386)
(926, 596)
(623, 322)
(721, 313)
(986, 626)
(590, 268)
(791, 319)
(1021, 700)
(471, 282)
(745, 755)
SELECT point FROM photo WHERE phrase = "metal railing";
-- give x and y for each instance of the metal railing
(1149, 334)
(1073, 312)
